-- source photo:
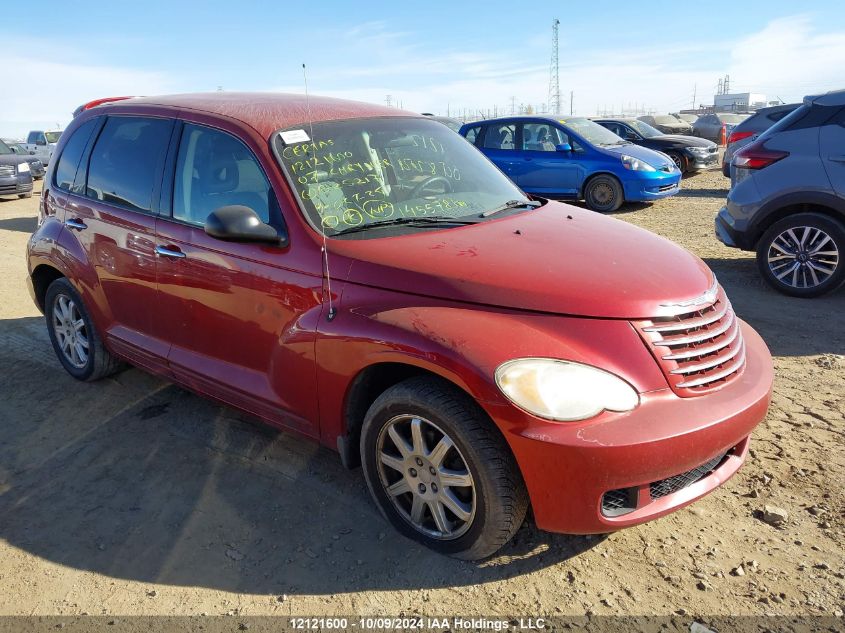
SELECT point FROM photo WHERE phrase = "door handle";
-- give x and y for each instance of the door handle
(73, 223)
(838, 159)
(167, 252)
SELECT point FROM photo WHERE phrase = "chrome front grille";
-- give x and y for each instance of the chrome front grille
(7, 170)
(698, 351)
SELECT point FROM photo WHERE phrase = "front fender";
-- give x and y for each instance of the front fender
(462, 343)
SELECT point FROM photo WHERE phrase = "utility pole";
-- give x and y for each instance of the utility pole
(694, 93)
(571, 102)
(513, 105)
(388, 99)
(554, 71)
(727, 84)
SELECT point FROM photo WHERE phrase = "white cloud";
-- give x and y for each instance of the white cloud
(41, 92)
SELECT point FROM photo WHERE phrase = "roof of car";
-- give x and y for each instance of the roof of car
(833, 98)
(266, 111)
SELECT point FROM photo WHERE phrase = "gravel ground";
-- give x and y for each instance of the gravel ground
(132, 496)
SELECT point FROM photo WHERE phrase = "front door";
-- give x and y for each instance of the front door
(540, 168)
(241, 323)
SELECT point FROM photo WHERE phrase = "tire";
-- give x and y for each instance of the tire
(63, 305)
(489, 489)
(802, 255)
(28, 194)
(604, 194)
(680, 161)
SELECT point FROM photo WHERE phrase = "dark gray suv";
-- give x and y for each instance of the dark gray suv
(787, 199)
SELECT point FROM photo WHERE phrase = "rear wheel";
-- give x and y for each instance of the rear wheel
(75, 339)
(604, 194)
(439, 471)
(801, 255)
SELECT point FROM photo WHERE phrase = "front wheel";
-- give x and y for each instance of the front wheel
(604, 194)
(439, 470)
(679, 160)
(801, 255)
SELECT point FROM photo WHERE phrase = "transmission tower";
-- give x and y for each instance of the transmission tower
(554, 72)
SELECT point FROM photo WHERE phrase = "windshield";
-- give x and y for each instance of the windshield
(645, 130)
(591, 131)
(665, 119)
(52, 137)
(5, 149)
(364, 171)
(732, 119)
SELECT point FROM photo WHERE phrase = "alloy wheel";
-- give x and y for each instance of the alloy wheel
(70, 330)
(803, 257)
(426, 477)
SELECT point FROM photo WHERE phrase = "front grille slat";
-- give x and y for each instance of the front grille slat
(699, 350)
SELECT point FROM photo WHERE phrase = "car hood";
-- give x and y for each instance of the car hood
(556, 259)
(12, 159)
(643, 153)
(682, 140)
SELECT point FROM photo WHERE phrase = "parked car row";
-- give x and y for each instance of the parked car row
(478, 351)
(574, 157)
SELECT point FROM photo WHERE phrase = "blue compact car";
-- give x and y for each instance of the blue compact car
(573, 157)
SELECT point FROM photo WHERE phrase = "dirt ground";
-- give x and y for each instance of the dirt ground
(133, 496)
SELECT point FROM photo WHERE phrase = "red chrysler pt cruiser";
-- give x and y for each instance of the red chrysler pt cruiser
(366, 277)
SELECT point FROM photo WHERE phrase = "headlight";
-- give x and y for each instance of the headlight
(23, 168)
(635, 164)
(562, 390)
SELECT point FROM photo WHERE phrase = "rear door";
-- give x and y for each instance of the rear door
(234, 312)
(499, 145)
(112, 214)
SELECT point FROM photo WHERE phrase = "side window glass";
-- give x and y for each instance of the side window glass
(213, 170)
(31, 138)
(126, 160)
(540, 137)
(71, 154)
(500, 136)
(472, 134)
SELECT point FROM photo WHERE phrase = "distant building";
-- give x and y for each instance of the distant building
(739, 102)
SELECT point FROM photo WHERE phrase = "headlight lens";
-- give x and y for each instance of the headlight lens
(562, 390)
(635, 164)
(23, 168)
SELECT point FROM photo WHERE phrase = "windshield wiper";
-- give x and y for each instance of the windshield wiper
(422, 221)
(512, 204)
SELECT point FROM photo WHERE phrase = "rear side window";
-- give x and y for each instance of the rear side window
(127, 160)
(472, 134)
(71, 154)
(213, 170)
(500, 136)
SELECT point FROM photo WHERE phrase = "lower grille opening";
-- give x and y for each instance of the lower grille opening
(678, 482)
(615, 503)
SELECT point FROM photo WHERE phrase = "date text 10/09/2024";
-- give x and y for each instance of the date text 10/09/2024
(422, 623)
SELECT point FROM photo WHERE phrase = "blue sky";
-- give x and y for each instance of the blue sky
(429, 56)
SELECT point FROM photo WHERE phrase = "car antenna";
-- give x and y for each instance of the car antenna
(324, 249)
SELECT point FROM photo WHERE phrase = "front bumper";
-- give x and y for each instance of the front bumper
(568, 467)
(15, 185)
(698, 162)
(654, 185)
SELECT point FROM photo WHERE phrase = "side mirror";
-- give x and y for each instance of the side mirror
(237, 223)
(630, 136)
(564, 147)
(41, 141)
